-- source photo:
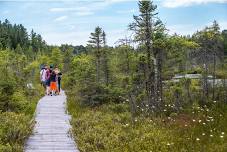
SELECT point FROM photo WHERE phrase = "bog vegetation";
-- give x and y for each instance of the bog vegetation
(21, 55)
(169, 93)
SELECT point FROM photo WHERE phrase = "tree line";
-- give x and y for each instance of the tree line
(142, 75)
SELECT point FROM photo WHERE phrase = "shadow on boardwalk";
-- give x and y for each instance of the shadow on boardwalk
(51, 131)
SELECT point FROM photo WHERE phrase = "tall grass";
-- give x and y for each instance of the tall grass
(109, 128)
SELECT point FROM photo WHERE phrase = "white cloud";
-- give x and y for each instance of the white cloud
(58, 38)
(84, 13)
(185, 3)
(79, 37)
(5, 12)
(71, 27)
(78, 11)
(67, 9)
(61, 18)
(189, 29)
(125, 11)
(182, 29)
(223, 25)
(86, 6)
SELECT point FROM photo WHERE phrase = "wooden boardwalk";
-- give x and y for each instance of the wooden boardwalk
(51, 131)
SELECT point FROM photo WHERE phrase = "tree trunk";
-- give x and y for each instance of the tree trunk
(225, 90)
(132, 107)
(156, 85)
(127, 61)
(98, 61)
(98, 66)
(214, 74)
(159, 79)
(205, 85)
(106, 69)
(150, 65)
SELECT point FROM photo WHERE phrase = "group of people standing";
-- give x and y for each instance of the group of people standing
(50, 78)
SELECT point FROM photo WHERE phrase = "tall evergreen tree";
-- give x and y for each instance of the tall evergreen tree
(105, 59)
(96, 41)
(144, 26)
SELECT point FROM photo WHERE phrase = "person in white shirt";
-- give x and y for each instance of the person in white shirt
(43, 73)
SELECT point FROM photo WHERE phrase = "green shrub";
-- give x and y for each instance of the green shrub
(18, 102)
(99, 94)
(6, 148)
(14, 129)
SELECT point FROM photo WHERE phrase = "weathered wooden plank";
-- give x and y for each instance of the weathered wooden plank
(51, 131)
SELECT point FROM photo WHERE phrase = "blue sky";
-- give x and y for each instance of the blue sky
(68, 21)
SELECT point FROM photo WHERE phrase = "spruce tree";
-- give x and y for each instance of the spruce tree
(144, 27)
(96, 41)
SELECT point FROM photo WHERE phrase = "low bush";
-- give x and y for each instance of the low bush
(14, 129)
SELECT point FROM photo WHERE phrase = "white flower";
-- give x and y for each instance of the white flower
(222, 133)
(168, 144)
(135, 120)
(204, 123)
(197, 139)
(203, 134)
(221, 136)
(185, 125)
(214, 101)
(193, 120)
(200, 121)
(211, 135)
(164, 110)
(126, 124)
